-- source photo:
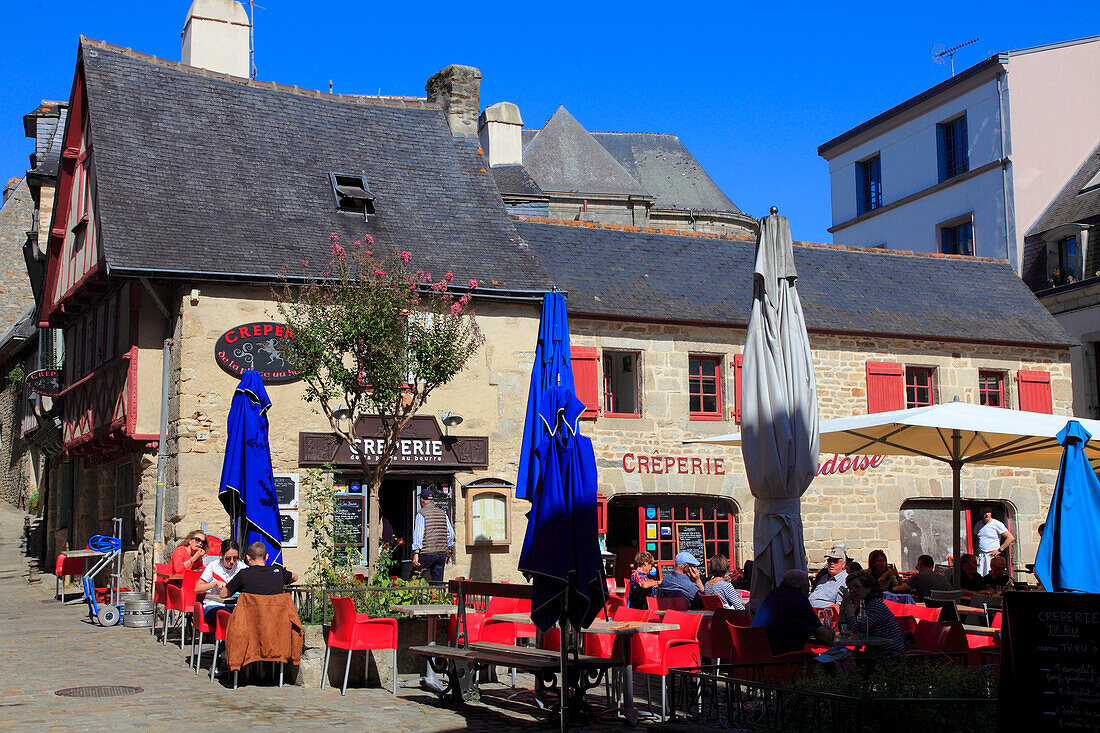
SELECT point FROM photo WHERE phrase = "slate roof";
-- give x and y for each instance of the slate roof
(1078, 200)
(616, 273)
(666, 169)
(514, 180)
(199, 173)
(563, 157)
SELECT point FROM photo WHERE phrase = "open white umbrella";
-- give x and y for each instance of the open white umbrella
(956, 433)
(778, 410)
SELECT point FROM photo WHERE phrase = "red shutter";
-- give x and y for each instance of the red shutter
(601, 513)
(736, 366)
(885, 386)
(1035, 391)
(585, 378)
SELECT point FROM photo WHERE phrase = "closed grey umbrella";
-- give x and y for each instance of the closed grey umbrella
(779, 424)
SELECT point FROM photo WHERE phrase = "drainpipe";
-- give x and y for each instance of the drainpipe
(162, 449)
(1004, 170)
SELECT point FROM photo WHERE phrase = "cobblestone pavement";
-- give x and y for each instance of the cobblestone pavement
(45, 647)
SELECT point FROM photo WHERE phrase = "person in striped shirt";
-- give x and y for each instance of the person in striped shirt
(863, 612)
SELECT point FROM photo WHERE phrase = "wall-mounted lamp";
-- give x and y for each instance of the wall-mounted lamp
(450, 419)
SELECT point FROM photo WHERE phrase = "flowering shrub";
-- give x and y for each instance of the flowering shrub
(375, 336)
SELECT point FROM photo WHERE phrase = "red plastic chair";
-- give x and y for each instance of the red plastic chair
(829, 616)
(213, 545)
(940, 638)
(674, 603)
(610, 585)
(714, 636)
(996, 622)
(67, 566)
(924, 612)
(499, 632)
(203, 628)
(711, 602)
(907, 624)
(524, 631)
(475, 622)
(181, 598)
(352, 631)
(221, 623)
(750, 646)
(160, 593)
(665, 650)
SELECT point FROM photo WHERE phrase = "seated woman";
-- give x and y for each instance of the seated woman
(215, 577)
(642, 582)
(717, 585)
(189, 554)
(863, 612)
(885, 575)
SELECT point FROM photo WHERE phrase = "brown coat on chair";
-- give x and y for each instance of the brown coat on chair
(263, 629)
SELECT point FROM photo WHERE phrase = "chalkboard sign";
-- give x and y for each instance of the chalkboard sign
(288, 521)
(689, 538)
(286, 488)
(348, 519)
(1050, 662)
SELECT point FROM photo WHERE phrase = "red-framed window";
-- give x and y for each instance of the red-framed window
(657, 520)
(991, 389)
(1035, 394)
(919, 389)
(885, 386)
(94, 339)
(705, 387)
(586, 379)
(620, 384)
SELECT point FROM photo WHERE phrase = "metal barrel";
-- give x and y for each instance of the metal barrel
(131, 595)
(138, 613)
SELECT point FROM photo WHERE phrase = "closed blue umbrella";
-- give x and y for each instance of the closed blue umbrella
(1069, 552)
(561, 552)
(248, 487)
(552, 367)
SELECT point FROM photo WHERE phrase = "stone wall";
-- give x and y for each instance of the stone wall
(857, 506)
(16, 219)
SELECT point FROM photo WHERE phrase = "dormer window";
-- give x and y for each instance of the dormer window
(352, 194)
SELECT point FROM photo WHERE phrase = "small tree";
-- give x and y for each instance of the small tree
(375, 337)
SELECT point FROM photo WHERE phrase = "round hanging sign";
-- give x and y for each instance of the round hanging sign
(259, 346)
(46, 382)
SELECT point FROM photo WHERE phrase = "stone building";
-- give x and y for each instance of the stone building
(170, 272)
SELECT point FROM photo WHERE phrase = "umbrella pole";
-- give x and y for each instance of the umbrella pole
(563, 688)
(956, 508)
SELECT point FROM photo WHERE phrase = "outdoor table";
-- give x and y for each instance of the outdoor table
(618, 628)
(707, 615)
(87, 556)
(860, 640)
(432, 611)
(981, 630)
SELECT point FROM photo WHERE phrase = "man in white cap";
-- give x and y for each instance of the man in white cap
(832, 582)
(684, 580)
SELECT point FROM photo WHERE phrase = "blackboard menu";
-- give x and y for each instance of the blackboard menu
(348, 520)
(1050, 662)
(288, 522)
(286, 489)
(689, 538)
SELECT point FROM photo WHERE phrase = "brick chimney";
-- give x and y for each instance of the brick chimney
(456, 89)
(500, 131)
(215, 37)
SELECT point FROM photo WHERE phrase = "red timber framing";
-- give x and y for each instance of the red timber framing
(98, 316)
(74, 268)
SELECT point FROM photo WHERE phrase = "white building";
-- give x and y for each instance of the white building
(967, 166)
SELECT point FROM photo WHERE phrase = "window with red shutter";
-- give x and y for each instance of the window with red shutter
(586, 379)
(735, 365)
(885, 386)
(1035, 393)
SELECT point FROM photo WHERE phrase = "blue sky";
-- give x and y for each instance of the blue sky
(751, 89)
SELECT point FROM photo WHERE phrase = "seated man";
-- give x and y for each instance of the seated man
(831, 583)
(972, 582)
(258, 578)
(925, 580)
(998, 578)
(684, 580)
(787, 616)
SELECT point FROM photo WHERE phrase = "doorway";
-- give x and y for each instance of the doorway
(399, 502)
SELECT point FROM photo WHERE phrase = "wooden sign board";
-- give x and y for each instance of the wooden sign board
(1050, 662)
(690, 538)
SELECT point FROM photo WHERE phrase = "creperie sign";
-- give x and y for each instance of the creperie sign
(642, 463)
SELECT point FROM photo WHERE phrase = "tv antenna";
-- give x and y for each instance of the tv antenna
(939, 51)
(252, 36)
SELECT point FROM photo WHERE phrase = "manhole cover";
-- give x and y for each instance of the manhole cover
(99, 691)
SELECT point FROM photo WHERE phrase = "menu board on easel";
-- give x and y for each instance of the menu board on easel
(690, 538)
(1050, 678)
(348, 520)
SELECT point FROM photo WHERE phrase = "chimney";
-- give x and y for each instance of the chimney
(9, 188)
(500, 130)
(215, 37)
(456, 90)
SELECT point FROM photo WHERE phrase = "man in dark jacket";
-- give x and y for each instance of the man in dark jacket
(433, 537)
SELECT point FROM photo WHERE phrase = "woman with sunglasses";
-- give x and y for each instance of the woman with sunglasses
(216, 576)
(189, 555)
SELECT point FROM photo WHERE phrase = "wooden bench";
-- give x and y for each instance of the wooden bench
(462, 661)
